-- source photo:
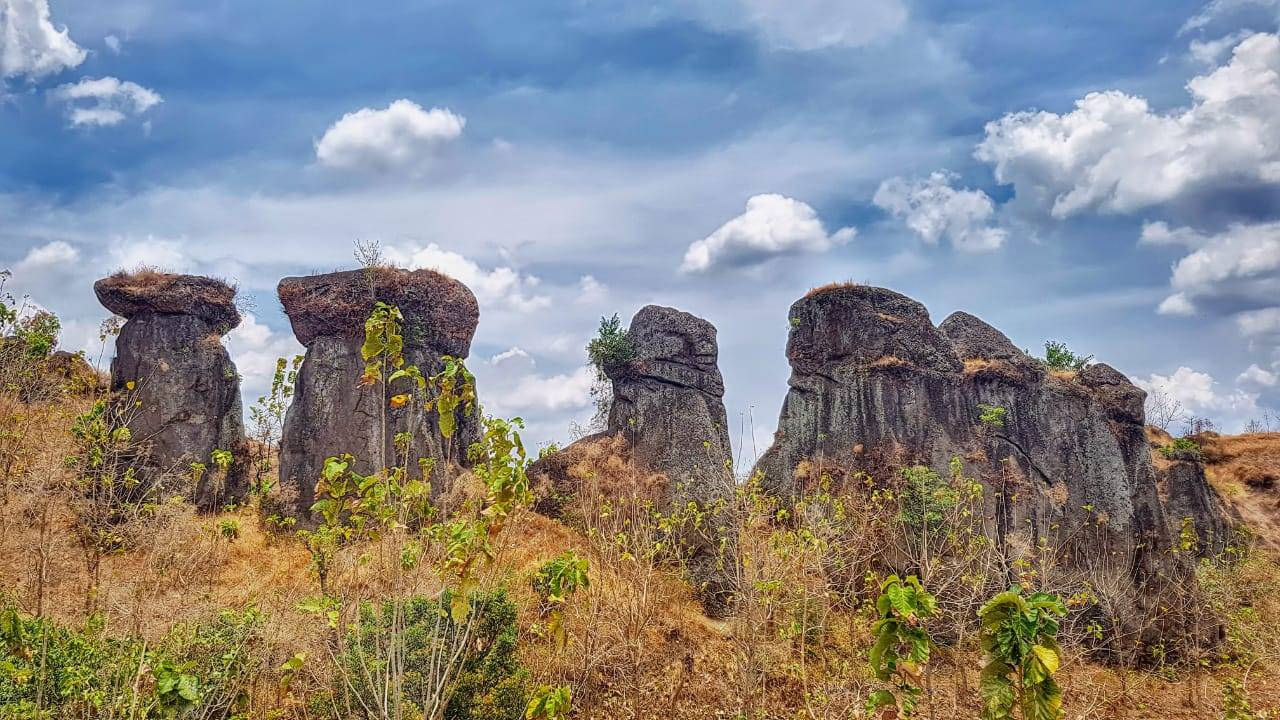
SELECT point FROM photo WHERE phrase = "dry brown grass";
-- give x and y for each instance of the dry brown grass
(1245, 469)
(639, 645)
(829, 287)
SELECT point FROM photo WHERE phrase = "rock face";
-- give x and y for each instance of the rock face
(332, 413)
(668, 407)
(170, 348)
(875, 386)
(669, 401)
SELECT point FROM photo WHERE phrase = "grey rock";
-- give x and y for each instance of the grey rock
(332, 413)
(187, 388)
(668, 408)
(1072, 454)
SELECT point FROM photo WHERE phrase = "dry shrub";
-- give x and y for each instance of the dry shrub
(830, 287)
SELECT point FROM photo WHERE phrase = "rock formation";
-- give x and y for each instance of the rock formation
(668, 407)
(875, 386)
(332, 413)
(187, 388)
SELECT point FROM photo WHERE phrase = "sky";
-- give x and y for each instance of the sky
(1103, 174)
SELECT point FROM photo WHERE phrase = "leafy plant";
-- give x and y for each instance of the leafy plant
(554, 582)
(1059, 357)
(610, 347)
(991, 416)
(1019, 639)
(549, 703)
(1181, 449)
(1235, 704)
(490, 682)
(902, 644)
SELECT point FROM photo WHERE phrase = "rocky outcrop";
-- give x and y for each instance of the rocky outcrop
(668, 407)
(1200, 521)
(875, 386)
(331, 412)
(187, 390)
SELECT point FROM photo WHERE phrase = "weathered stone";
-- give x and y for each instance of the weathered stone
(874, 386)
(1199, 520)
(186, 387)
(129, 294)
(331, 412)
(668, 406)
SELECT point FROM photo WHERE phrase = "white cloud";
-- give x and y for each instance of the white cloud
(935, 210)
(113, 43)
(402, 136)
(509, 384)
(1211, 52)
(165, 255)
(1254, 375)
(1259, 322)
(30, 44)
(818, 24)
(590, 290)
(503, 286)
(1200, 395)
(51, 255)
(772, 225)
(1114, 154)
(254, 348)
(1234, 271)
(110, 100)
(1217, 9)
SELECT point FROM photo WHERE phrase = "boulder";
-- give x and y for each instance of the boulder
(1199, 520)
(186, 388)
(874, 387)
(668, 410)
(331, 412)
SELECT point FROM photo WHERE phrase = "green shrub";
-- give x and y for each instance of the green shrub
(1019, 639)
(902, 644)
(1182, 449)
(490, 685)
(202, 669)
(1058, 357)
(610, 347)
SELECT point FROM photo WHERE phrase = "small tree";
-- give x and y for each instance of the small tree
(902, 644)
(1163, 410)
(609, 348)
(1058, 357)
(1019, 639)
(267, 419)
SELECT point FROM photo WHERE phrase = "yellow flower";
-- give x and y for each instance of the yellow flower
(399, 401)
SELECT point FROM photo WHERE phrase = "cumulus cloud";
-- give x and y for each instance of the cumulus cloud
(104, 101)
(403, 136)
(772, 225)
(1257, 376)
(1259, 322)
(30, 45)
(503, 286)
(254, 348)
(1201, 395)
(1235, 272)
(817, 24)
(511, 384)
(129, 254)
(1218, 9)
(113, 43)
(934, 210)
(51, 255)
(1113, 153)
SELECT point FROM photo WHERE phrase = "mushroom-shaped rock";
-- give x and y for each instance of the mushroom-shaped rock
(130, 294)
(187, 390)
(332, 413)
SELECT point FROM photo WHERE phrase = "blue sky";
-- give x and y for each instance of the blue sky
(1107, 174)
